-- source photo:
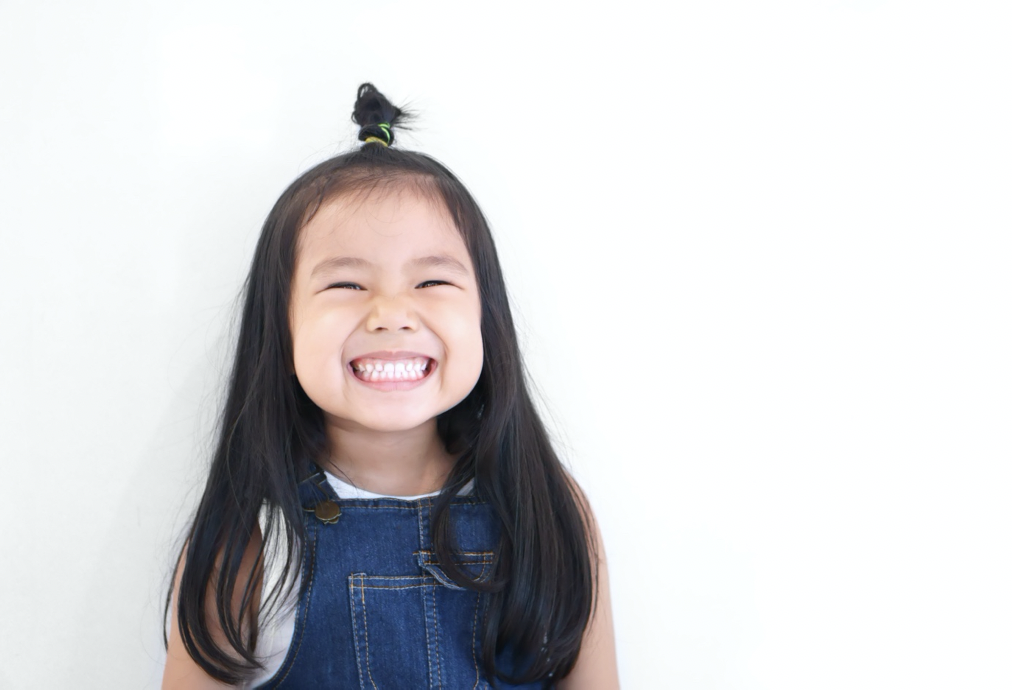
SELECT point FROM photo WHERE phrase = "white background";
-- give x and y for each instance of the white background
(759, 254)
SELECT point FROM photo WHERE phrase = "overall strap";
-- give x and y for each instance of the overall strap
(318, 497)
(315, 488)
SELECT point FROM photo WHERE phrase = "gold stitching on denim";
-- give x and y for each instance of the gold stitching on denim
(474, 632)
(354, 629)
(394, 577)
(428, 642)
(365, 624)
(476, 556)
(435, 633)
(487, 558)
(423, 529)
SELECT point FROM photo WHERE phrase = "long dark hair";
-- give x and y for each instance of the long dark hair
(269, 433)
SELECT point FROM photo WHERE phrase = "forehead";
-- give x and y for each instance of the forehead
(382, 226)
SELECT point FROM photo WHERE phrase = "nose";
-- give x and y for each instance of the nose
(391, 314)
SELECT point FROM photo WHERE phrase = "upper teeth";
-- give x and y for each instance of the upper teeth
(382, 369)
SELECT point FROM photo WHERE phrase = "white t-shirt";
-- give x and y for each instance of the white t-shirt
(276, 635)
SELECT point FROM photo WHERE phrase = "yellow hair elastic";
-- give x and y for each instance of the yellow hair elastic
(385, 126)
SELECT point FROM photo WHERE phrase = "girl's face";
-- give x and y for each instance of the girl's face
(385, 312)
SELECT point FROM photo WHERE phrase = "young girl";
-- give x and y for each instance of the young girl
(384, 508)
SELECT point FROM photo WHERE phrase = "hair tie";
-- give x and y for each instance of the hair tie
(385, 127)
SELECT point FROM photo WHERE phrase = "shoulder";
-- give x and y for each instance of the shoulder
(596, 667)
(181, 671)
(593, 530)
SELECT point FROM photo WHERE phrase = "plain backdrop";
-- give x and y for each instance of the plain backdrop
(758, 253)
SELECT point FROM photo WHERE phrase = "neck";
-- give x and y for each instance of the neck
(397, 463)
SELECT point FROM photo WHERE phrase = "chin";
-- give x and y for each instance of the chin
(393, 422)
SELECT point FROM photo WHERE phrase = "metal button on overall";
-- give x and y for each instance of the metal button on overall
(327, 512)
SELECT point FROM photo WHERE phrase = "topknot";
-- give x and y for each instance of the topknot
(377, 116)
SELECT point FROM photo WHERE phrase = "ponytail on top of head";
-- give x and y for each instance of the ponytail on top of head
(377, 117)
(270, 436)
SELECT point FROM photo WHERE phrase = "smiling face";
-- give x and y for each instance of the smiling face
(385, 312)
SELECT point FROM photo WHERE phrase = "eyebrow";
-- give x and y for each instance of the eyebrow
(436, 261)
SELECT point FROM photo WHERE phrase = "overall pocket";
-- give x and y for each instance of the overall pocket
(418, 632)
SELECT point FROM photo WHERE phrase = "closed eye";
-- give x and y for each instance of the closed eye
(350, 286)
(432, 282)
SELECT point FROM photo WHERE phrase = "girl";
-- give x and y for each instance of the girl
(384, 508)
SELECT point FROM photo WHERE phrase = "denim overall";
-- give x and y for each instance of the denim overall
(377, 611)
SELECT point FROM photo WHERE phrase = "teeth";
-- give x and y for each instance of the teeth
(383, 370)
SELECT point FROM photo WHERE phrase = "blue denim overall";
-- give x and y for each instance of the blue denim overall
(377, 611)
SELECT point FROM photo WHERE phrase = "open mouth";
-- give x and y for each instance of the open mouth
(407, 369)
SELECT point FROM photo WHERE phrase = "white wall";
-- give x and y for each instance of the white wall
(759, 252)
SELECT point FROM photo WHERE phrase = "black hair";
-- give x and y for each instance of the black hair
(269, 434)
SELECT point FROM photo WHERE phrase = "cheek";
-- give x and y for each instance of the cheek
(465, 345)
(316, 345)
(478, 360)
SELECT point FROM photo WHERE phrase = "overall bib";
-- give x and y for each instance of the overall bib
(377, 611)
